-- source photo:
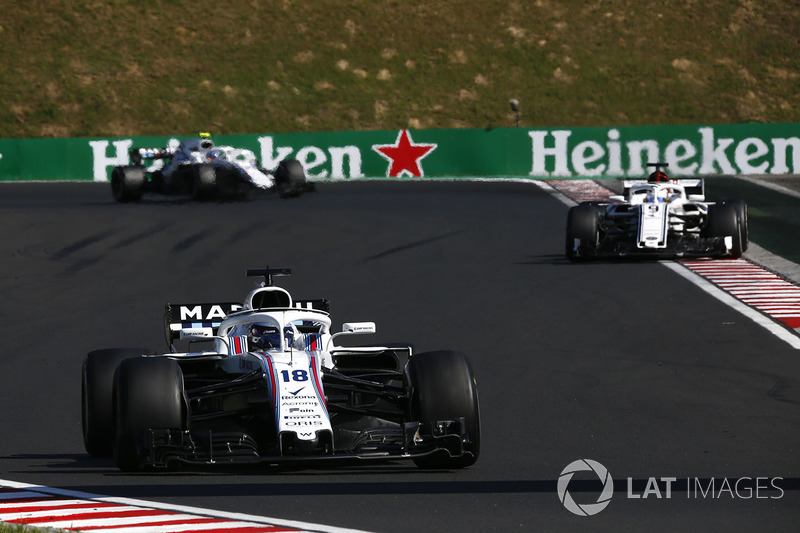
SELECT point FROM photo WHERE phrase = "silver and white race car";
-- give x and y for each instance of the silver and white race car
(198, 168)
(275, 386)
(657, 217)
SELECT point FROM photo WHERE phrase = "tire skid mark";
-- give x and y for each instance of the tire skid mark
(81, 244)
(411, 245)
(142, 235)
(190, 241)
(247, 232)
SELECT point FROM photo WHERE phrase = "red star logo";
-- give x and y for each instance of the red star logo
(404, 156)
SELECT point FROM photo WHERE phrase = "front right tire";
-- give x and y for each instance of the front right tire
(583, 232)
(148, 394)
(97, 382)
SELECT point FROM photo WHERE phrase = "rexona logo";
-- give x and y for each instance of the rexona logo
(586, 509)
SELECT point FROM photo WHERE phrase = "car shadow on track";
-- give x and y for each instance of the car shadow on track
(558, 259)
(304, 480)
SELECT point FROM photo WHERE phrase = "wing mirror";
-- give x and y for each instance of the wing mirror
(354, 328)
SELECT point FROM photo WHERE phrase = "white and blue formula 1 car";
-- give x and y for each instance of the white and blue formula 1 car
(657, 217)
(201, 170)
(275, 387)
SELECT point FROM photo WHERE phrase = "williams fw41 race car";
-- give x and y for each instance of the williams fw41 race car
(275, 387)
(203, 171)
(657, 217)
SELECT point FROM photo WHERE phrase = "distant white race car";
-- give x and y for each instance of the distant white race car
(275, 386)
(657, 217)
(202, 170)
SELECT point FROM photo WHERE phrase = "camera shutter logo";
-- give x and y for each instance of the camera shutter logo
(585, 465)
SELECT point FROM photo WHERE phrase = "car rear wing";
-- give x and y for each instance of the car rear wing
(203, 320)
(690, 185)
(138, 155)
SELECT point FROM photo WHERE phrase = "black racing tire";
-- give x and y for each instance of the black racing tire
(583, 224)
(723, 221)
(741, 213)
(97, 383)
(127, 183)
(443, 387)
(290, 178)
(148, 394)
(204, 185)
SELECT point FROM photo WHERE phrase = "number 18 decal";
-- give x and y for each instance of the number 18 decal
(296, 375)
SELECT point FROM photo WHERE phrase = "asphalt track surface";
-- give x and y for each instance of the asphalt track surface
(624, 363)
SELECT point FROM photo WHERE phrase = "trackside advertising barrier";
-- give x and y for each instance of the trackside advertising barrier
(735, 149)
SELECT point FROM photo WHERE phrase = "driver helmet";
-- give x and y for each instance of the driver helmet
(264, 336)
(206, 143)
(215, 154)
(657, 177)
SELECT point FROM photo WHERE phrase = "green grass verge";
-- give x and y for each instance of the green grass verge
(76, 68)
(21, 528)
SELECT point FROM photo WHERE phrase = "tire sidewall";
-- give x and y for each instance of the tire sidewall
(290, 178)
(127, 183)
(148, 394)
(97, 381)
(583, 223)
(724, 221)
(443, 387)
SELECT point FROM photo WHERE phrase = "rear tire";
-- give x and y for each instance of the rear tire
(583, 225)
(148, 394)
(127, 183)
(290, 178)
(97, 383)
(204, 183)
(444, 388)
(723, 221)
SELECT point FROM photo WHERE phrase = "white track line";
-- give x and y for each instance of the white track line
(224, 520)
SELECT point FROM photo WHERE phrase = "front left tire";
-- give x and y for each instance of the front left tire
(290, 178)
(724, 221)
(127, 183)
(741, 212)
(444, 388)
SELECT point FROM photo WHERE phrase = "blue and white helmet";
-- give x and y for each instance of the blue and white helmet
(263, 336)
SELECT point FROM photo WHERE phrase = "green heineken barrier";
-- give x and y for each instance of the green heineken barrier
(534, 153)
